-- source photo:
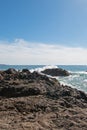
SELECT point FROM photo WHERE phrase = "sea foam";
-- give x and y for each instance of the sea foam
(44, 68)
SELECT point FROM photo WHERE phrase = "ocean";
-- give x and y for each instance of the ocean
(77, 79)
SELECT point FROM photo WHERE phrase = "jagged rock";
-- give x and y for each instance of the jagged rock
(10, 71)
(31, 101)
(56, 72)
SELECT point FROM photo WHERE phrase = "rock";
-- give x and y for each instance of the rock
(10, 71)
(1, 77)
(31, 101)
(56, 72)
(18, 91)
(25, 71)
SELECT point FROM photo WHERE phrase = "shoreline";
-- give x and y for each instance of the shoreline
(31, 101)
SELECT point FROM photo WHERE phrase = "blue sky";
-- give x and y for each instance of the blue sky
(43, 22)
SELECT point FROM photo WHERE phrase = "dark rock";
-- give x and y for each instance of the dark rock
(10, 71)
(25, 71)
(18, 91)
(81, 95)
(65, 93)
(56, 72)
(22, 76)
(30, 101)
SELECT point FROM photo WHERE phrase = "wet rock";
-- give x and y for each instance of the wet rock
(56, 72)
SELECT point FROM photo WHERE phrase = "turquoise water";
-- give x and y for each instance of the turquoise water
(77, 79)
(19, 67)
(67, 67)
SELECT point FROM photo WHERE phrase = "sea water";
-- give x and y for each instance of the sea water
(77, 78)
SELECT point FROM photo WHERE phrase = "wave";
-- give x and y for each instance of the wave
(65, 83)
(43, 68)
(85, 80)
(77, 79)
(78, 72)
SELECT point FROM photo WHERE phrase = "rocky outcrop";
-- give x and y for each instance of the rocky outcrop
(31, 101)
(10, 71)
(25, 70)
(56, 72)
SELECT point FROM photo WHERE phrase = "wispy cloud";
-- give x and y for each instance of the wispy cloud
(23, 52)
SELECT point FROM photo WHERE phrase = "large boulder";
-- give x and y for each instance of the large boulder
(56, 72)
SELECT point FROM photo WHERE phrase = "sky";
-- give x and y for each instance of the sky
(43, 32)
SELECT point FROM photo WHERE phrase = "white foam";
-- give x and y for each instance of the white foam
(43, 68)
(79, 72)
(72, 77)
(85, 80)
(65, 83)
(77, 79)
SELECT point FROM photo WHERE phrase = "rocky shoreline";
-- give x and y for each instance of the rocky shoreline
(31, 101)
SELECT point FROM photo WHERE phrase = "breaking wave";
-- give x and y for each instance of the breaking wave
(43, 68)
(77, 79)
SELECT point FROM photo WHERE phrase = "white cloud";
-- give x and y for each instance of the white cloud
(24, 52)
